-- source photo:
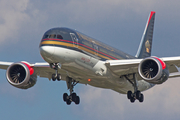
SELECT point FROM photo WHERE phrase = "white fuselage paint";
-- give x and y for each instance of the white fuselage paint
(82, 67)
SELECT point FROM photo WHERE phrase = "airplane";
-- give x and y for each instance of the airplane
(74, 57)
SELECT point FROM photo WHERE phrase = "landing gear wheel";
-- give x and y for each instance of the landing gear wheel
(54, 77)
(138, 95)
(65, 95)
(129, 94)
(58, 77)
(73, 95)
(132, 99)
(68, 101)
(77, 100)
(141, 99)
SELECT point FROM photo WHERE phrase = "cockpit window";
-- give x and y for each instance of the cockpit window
(46, 36)
(59, 37)
(52, 36)
(58, 33)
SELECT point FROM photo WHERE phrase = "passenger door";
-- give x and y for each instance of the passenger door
(95, 48)
(74, 39)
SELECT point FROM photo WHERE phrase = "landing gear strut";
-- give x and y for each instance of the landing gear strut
(73, 96)
(55, 76)
(137, 94)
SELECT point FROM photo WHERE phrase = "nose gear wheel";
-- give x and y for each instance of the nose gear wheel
(55, 76)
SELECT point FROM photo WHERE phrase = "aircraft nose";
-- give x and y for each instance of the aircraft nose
(47, 51)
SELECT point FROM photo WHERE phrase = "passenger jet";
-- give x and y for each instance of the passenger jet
(74, 57)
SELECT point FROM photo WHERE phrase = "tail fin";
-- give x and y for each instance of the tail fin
(146, 40)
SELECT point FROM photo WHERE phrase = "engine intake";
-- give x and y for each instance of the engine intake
(153, 70)
(21, 75)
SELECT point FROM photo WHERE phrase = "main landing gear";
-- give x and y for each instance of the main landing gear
(55, 76)
(137, 94)
(73, 96)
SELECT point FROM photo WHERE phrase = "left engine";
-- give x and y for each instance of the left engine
(21, 75)
(153, 70)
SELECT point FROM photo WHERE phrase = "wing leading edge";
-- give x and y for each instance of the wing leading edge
(124, 67)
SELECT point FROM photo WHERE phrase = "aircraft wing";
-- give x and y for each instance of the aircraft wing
(129, 66)
(41, 69)
(5, 65)
(119, 67)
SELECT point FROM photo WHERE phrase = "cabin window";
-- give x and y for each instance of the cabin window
(103, 50)
(87, 43)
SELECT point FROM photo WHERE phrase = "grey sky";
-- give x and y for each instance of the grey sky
(118, 23)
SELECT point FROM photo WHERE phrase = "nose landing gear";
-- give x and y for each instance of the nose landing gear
(55, 76)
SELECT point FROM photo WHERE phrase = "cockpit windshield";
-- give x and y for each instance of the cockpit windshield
(59, 37)
(58, 33)
(53, 36)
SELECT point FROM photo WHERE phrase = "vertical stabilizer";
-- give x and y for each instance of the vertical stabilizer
(146, 40)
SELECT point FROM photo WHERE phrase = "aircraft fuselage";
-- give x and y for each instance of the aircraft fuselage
(84, 58)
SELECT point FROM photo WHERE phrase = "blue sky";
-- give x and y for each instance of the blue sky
(118, 23)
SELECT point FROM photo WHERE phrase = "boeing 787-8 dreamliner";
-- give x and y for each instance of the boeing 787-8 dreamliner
(77, 58)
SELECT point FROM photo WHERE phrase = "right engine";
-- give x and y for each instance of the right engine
(21, 75)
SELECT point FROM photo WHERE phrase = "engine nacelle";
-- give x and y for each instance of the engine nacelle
(21, 75)
(153, 70)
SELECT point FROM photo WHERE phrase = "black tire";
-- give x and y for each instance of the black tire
(141, 99)
(132, 99)
(74, 96)
(129, 94)
(58, 77)
(77, 100)
(54, 77)
(138, 95)
(65, 95)
(68, 102)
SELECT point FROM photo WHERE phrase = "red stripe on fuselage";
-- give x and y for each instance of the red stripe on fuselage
(78, 44)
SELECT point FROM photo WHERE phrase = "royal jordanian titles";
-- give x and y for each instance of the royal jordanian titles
(76, 58)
